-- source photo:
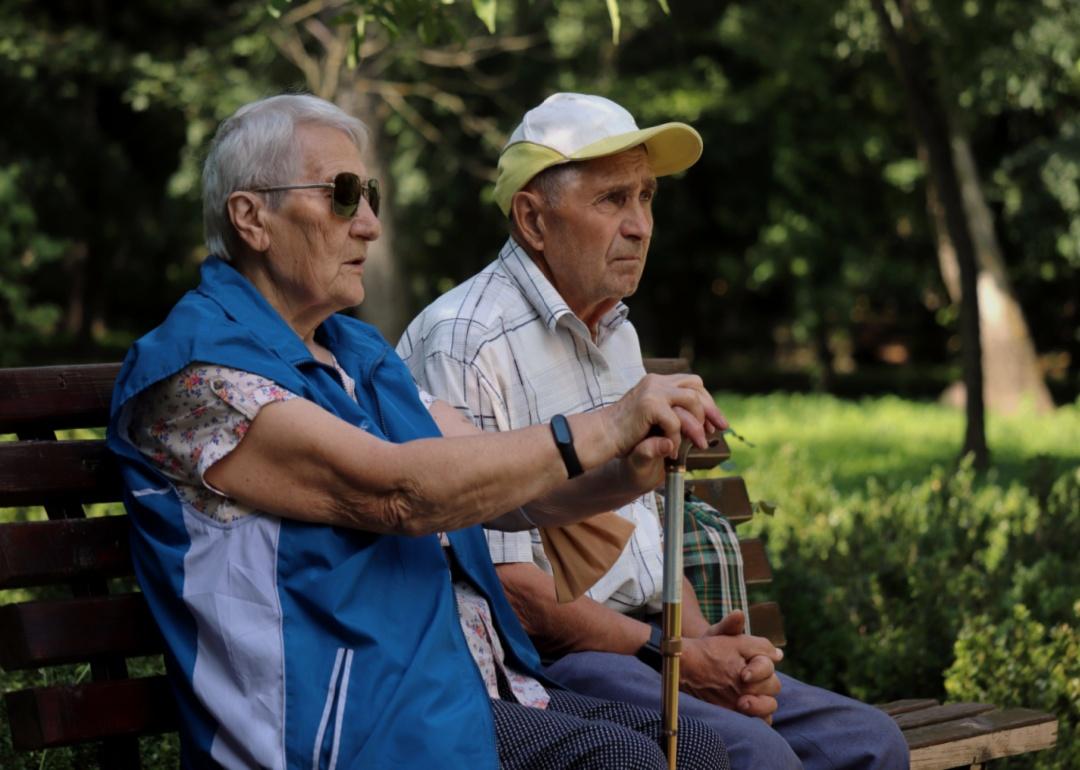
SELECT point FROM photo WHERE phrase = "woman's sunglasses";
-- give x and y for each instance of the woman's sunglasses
(348, 190)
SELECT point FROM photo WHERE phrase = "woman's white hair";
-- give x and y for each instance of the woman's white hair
(256, 147)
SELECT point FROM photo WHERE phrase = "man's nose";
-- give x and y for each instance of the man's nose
(638, 221)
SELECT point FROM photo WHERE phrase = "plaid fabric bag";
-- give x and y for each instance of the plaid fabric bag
(712, 561)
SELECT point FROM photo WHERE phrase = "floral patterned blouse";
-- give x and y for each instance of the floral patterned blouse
(189, 421)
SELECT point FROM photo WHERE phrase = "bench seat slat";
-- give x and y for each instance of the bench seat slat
(979, 739)
(39, 553)
(56, 631)
(892, 708)
(40, 472)
(48, 717)
(939, 714)
(54, 397)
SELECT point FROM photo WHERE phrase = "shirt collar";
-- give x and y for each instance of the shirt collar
(545, 298)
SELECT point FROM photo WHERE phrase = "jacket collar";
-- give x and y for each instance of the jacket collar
(245, 304)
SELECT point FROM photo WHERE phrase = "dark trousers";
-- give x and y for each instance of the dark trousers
(812, 728)
(577, 732)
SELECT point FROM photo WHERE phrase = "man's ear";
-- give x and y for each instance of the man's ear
(247, 213)
(527, 213)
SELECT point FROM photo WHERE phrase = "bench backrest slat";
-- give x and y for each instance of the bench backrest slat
(55, 472)
(55, 397)
(56, 631)
(48, 717)
(38, 553)
(726, 494)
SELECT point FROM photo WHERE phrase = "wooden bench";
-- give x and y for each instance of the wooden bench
(68, 596)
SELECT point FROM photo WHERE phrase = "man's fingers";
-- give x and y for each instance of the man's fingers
(749, 646)
(652, 448)
(692, 427)
(732, 624)
(761, 706)
(759, 676)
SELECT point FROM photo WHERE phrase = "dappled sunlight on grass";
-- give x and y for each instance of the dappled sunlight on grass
(847, 443)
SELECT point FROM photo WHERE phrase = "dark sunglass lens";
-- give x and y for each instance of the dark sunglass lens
(374, 197)
(346, 194)
(347, 191)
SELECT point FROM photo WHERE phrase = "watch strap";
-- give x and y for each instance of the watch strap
(650, 653)
(564, 441)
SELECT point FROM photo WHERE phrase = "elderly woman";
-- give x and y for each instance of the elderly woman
(304, 517)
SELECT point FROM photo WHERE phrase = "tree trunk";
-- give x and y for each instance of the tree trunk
(1014, 377)
(385, 299)
(930, 122)
(328, 76)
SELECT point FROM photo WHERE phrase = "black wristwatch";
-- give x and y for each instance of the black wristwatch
(649, 653)
(564, 440)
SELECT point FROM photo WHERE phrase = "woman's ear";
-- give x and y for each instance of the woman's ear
(246, 212)
(527, 214)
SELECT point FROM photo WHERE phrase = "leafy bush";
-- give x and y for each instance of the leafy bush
(954, 584)
(1020, 662)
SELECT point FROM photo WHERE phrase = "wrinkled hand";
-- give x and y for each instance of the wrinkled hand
(732, 669)
(677, 404)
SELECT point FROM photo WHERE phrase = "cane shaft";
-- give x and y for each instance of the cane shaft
(671, 649)
(671, 646)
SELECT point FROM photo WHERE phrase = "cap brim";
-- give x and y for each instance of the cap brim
(672, 147)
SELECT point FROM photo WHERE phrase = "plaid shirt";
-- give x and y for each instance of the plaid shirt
(506, 350)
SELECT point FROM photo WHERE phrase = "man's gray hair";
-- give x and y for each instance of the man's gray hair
(552, 181)
(256, 147)
(550, 184)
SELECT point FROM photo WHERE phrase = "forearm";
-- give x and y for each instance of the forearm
(453, 483)
(694, 623)
(605, 488)
(557, 629)
(300, 462)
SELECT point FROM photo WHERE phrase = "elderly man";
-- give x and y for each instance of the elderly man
(543, 330)
(304, 518)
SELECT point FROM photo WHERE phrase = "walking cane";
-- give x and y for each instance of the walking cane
(671, 645)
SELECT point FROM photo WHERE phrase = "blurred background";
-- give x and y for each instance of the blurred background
(863, 159)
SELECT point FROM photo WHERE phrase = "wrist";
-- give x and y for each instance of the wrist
(650, 653)
(564, 442)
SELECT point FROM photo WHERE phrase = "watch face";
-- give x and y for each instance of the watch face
(561, 429)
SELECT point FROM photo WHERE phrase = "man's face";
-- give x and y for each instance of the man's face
(316, 257)
(596, 235)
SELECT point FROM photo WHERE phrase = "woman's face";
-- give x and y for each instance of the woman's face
(315, 259)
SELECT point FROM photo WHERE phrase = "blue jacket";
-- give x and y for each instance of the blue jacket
(299, 645)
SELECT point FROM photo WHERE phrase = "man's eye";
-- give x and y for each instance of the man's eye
(617, 198)
(648, 195)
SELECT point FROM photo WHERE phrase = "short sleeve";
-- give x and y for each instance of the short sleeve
(186, 423)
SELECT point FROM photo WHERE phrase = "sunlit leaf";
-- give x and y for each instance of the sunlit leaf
(277, 7)
(616, 20)
(485, 11)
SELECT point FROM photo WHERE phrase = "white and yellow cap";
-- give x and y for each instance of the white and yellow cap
(573, 127)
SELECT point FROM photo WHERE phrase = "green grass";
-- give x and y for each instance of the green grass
(844, 444)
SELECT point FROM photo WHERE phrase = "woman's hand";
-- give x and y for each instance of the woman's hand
(676, 405)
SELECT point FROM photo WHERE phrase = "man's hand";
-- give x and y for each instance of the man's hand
(732, 669)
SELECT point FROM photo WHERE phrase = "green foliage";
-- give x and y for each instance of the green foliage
(1017, 660)
(23, 251)
(901, 574)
